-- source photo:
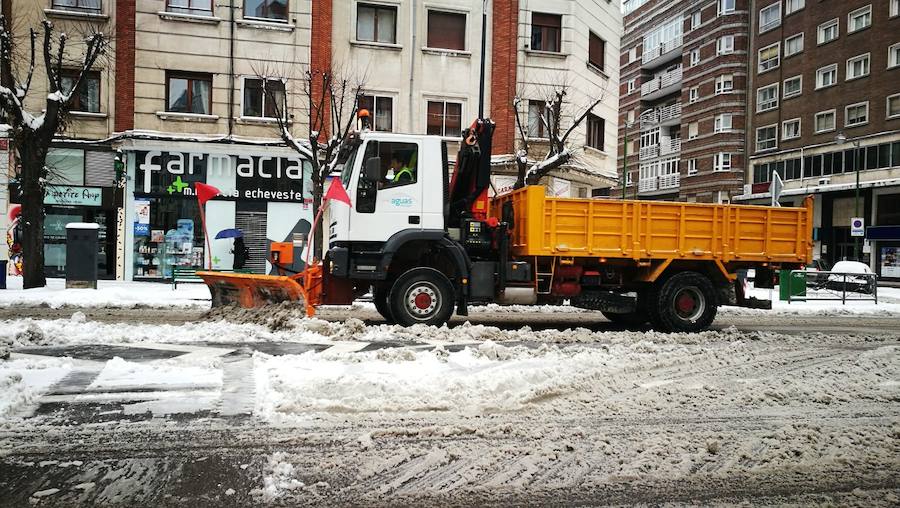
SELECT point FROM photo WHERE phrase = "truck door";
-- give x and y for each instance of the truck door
(394, 202)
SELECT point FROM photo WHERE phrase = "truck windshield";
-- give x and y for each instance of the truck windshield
(345, 161)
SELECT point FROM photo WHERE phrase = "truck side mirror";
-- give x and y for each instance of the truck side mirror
(372, 171)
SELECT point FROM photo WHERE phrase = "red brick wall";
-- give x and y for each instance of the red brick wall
(124, 114)
(504, 41)
(320, 52)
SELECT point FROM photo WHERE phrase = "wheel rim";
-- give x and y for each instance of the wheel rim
(422, 300)
(689, 303)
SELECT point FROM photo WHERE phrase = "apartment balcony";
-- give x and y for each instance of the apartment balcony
(662, 54)
(648, 184)
(670, 146)
(662, 84)
(669, 115)
(649, 152)
(672, 181)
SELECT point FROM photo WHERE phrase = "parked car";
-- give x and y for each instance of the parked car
(816, 280)
(851, 283)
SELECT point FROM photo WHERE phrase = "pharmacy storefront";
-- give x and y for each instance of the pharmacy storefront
(265, 195)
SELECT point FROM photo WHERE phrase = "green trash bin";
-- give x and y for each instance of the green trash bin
(797, 285)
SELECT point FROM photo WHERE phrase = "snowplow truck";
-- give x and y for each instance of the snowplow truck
(428, 244)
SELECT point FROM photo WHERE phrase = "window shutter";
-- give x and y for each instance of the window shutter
(446, 30)
(596, 50)
(98, 168)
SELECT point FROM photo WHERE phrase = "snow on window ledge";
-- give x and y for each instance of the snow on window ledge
(281, 26)
(551, 54)
(376, 45)
(187, 117)
(258, 120)
(446, 52)
(190, 18)
(62, 13)
(88, 114)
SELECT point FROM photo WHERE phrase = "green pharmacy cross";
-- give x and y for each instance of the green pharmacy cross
(216, 260)
(177, 186)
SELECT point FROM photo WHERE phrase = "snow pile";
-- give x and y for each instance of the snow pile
(109, 293)
(118, 373)
(23, 380)
(278, 480)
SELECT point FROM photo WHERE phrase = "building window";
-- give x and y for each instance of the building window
(726, 6)
(828, 31)
(196, 7)
(724, 83)
(189, 93)
(376, 23)
(856, 114)
(858, 67)
(444, 118)
(893, 106)
(596, 127)
(766, 138)
(793, 45)
(769, 57)
(546, 32)
(88, 97)
(826, 76)
(725, 45)
(722, 162)
(693, 130)
(791, 6)
(895, 8)
(694, 57)
(632, 54)
(723, 122)
(91, 6)
(380, 108)
(859, 19)
(270, 10)
(596, 51)
(792, 87)
(790, 129)
(767, 98)
(695, 18)
(894, 55)
(692, 167)
(694, 94)
(263, 98)
(538, 116)
(447, 30)
(825, 121)
(630, 85)
(769, 17)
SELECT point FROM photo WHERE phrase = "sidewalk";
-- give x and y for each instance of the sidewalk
(109, 293)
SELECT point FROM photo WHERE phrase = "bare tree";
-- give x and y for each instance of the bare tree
(332, 100)
(559, 152)
(32, 133)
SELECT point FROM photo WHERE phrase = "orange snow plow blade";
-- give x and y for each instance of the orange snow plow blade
(252, 290)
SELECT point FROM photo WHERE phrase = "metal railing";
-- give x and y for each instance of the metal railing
(647, 184)
(669, 146)
(669, 112)
(661, 81)
(833, 286)
(662, 49)
(671, 181)
(649, 152)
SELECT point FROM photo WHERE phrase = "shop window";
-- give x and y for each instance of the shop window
(376, 23)
(596, 50)
(382, 108)
(546, 31)
(195, 7)
(171, 237)
(263, 98)
(270, 10)
(595, 132)
(446, 30)
(90, 6)
(538, 115)
(65, 166)
(188, 93)
(87, 98)
(444, 118)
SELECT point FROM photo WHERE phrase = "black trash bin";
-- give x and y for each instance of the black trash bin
(2, 273)
(81, 254)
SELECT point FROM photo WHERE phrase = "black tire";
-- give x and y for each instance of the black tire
(629, 320)
(381, 295)
(685, 302)
(422, 296)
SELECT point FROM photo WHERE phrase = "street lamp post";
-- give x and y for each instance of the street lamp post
(841, 138)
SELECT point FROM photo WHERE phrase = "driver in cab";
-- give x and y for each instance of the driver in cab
(400, 171)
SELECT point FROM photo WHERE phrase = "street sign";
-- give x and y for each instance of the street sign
(777, 187)
(857, 226)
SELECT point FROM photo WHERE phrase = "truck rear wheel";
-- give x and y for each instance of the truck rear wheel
(686, 302)
(381, 296)
(422, 296)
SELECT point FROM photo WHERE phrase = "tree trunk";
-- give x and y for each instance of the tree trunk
(32, 158)
(317, 205)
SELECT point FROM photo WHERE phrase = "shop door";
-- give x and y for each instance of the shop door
(253, 225)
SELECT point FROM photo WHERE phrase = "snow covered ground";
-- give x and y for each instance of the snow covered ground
(109, 293)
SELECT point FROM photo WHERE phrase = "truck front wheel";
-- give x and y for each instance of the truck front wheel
(686, 302)
(422, 296)
(381, 295)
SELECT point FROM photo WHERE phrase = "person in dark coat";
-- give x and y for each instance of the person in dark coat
(241, 253)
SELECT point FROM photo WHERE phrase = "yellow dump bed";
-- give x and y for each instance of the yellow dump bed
(646, 230)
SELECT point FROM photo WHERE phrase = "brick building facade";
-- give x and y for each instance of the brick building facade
(825, 113)
(683, 94)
